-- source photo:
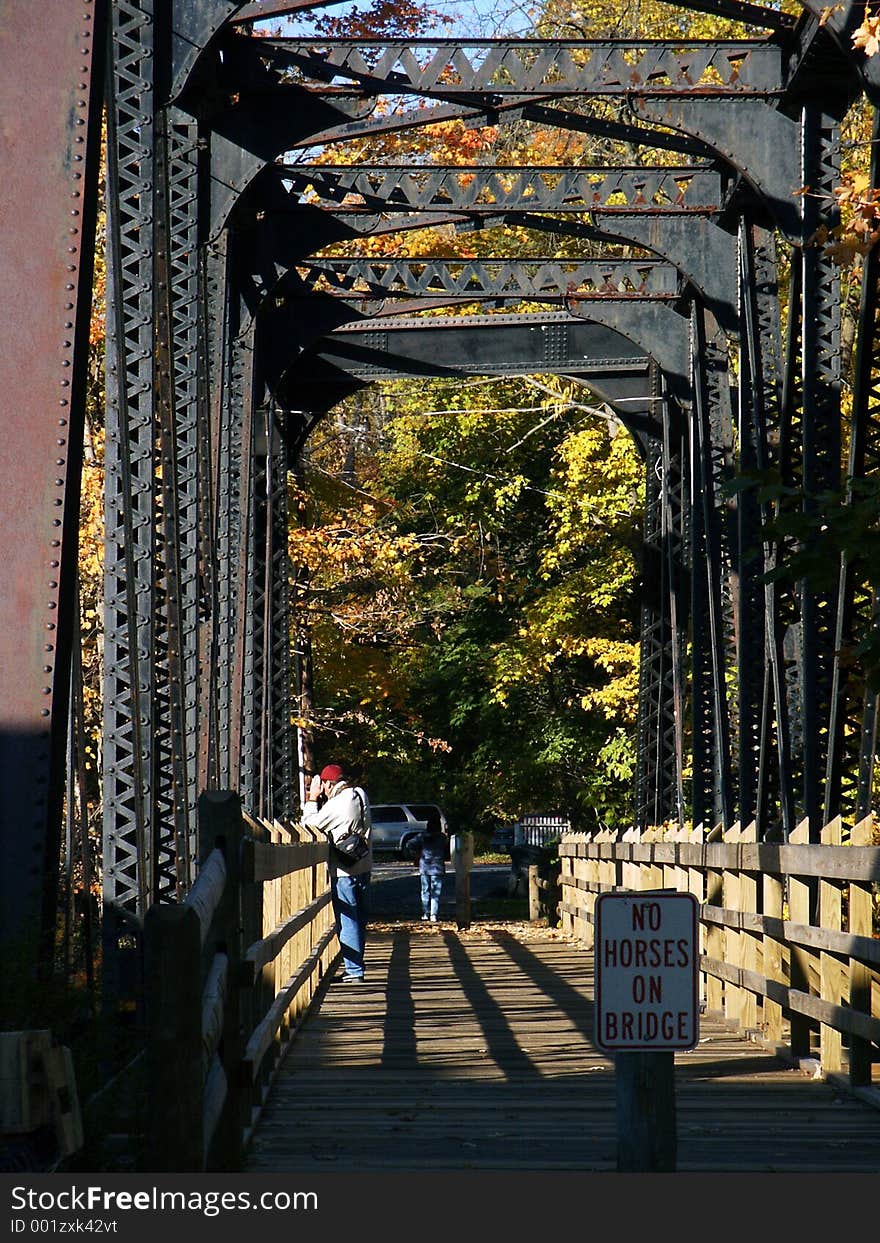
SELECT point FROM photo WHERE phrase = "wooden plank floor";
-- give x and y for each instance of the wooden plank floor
(472, 1051)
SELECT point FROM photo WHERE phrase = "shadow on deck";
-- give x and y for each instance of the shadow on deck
(472, 1050)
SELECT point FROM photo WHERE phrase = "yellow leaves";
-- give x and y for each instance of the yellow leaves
(866, 37)
(859, 228)
(828, 11)
(853, 189)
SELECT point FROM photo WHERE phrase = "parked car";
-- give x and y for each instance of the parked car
(502, 837)
(395, 824)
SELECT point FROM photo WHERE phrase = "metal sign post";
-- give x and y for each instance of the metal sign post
(647, 1006)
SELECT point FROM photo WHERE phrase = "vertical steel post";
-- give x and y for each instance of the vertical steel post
(712, 791)
(821, 437)
(50, 98)
(853, 728)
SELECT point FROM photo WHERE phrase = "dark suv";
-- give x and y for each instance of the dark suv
(394, 824)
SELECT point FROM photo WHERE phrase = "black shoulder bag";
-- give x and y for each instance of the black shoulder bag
(353, 845)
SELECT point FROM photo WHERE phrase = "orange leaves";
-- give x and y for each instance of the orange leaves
(867, 36)
(859, 229)
(453, 142)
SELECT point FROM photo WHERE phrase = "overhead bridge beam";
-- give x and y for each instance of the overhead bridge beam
(612, 367)
(450, 68)
(537, 278)
(481, 344)
(346, 189)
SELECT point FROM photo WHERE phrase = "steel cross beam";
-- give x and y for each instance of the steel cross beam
(258, 114)
(452, 69)
(535, 278)
(740, 11)
(551, 343)
(555, 342)
(345, 189)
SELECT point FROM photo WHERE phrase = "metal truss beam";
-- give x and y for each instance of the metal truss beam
(739, 11)
(840, 21)
(493, 344)
(711, 785)
(761, 142)
(480, 344)
(656, 329)
(50, 95)
(345, 189)
(535, 278)
(455, 69)
(660, 750)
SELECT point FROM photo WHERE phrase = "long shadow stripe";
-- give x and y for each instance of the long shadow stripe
(501, 1043)
(399, 1011)
(565, 996)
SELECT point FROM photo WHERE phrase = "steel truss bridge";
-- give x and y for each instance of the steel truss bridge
(229, 336)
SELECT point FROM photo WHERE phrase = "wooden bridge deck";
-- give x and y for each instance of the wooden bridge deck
(472, 1051)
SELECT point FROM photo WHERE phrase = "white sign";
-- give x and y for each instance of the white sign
(646, 971)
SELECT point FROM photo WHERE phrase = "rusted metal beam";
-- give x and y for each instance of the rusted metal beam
(50, 93)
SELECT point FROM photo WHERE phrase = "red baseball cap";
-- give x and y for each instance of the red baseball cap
(331, 772)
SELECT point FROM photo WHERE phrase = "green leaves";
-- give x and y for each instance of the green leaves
(500, 541)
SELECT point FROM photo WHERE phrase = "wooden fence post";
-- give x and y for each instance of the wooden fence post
(463, 858)
(221, 826)
(860, 924)
(534, 893)
(771, 1011)
(646, 1124)
(552, 894)
(175, 1073)
(801, 959)
(830, 970)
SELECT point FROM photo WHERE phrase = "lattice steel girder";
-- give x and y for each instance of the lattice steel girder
(267, 248)
(387, 188)
(256, 133)
(712, 786)
(760, 142)
(129, 683)
(535, 278)
(763, 709)
(451, 68)
(50, 99)
(853, 729)
(255, 118)
(821, 436)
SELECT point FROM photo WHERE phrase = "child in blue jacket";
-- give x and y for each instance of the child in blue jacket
(433, 853)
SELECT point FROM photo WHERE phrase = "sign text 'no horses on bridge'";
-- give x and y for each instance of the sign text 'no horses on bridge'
(646, 971)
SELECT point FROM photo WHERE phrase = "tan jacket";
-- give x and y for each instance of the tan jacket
(339, 815)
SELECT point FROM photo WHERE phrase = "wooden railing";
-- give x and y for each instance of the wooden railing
(229, 974)
(789, 951)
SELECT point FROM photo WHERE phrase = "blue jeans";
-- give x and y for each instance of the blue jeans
(431, 886)
(349, 895)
